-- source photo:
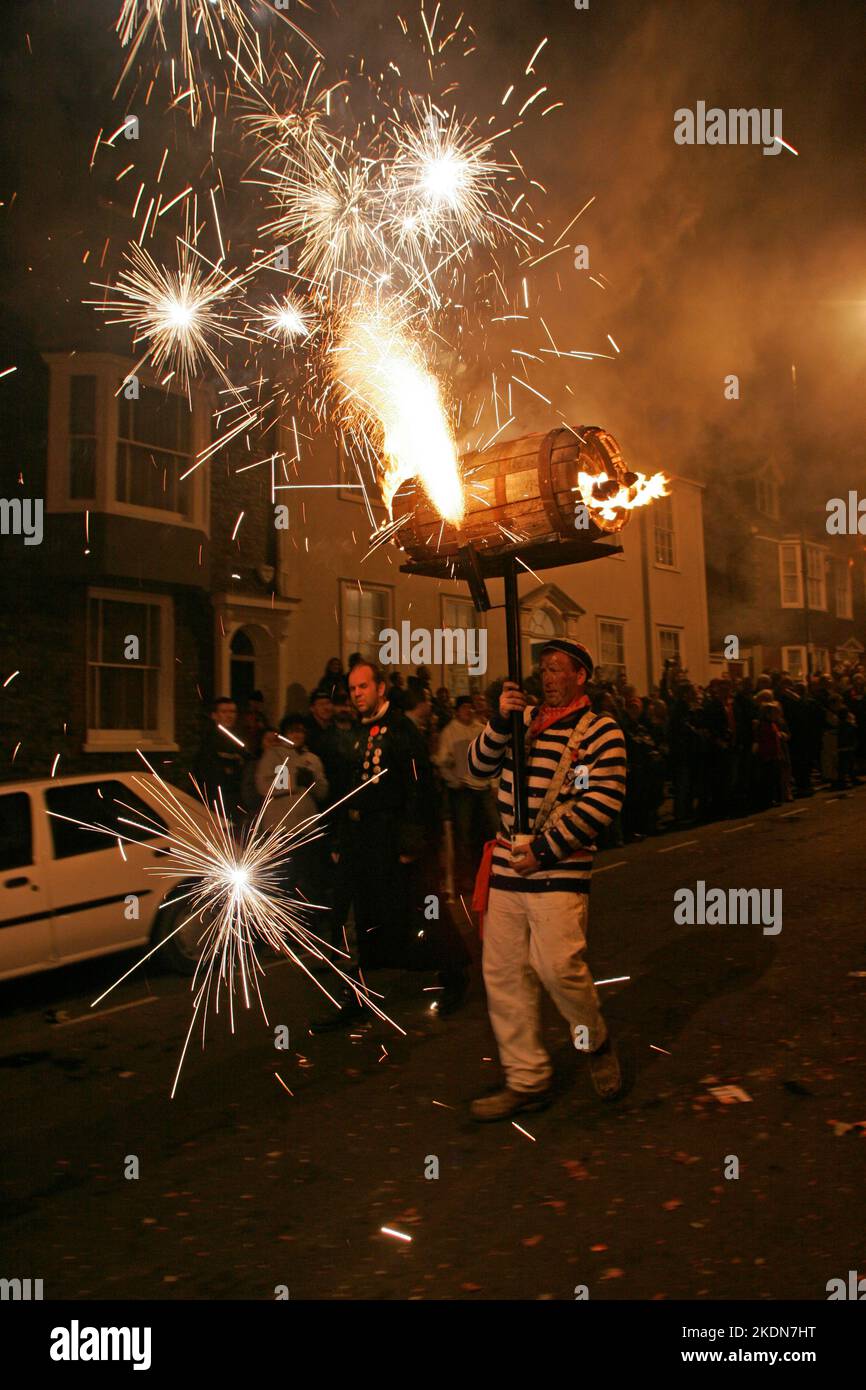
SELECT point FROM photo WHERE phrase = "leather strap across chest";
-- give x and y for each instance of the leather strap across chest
(555, 785)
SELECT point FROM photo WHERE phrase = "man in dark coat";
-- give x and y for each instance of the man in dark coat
(384, 867)
(322, 735)
(219, 763)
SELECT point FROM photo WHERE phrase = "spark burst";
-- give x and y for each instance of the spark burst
(232, 885)
(329, 210)
(284, 320)
(180, 314)
(446, 183)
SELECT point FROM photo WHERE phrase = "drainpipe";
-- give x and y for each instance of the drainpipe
(647, 600)
(804, 559)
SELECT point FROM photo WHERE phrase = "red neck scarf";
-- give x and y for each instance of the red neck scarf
(546, 715)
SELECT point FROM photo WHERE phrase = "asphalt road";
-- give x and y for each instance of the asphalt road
(244, 1188)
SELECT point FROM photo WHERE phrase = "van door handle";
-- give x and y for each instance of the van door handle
(17, 882)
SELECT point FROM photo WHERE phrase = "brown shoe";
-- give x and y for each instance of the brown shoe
(604, 1070)
(506, 1103)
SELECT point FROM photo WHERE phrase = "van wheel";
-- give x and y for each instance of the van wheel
(181, 952)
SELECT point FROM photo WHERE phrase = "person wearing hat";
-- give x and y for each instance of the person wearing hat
(322, 734)
(535, 895)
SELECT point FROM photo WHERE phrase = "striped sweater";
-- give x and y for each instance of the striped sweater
(565, 851)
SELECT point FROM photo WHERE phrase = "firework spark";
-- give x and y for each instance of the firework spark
(330, 210)
(284, 320)
(223, 28)
(232, 886)
(445, 180)
(182, 314)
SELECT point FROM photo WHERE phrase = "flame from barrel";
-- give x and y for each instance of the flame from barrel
(392, 396)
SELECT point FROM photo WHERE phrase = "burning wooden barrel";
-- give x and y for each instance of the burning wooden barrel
(526, 489)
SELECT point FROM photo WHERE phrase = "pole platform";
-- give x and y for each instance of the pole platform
(547, 553)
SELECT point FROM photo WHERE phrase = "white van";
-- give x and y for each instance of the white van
(64, 889)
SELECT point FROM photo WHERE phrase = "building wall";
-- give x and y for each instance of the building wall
(327, 542)
(43, 635)
(744, 585)
(43, 618)
(283, 587)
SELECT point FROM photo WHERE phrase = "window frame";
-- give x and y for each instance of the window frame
(613, 622)
(137, 508)
(820, 554)
(798, 576)
(111, 372)
(822, 663)
(128, 740)
(670, 532)
(90, 497)
(843, 572)
(767, 492)
(346, 584)
(99, 842)
(28, 863)
(470, 684)
(804, 661)
(662, 630)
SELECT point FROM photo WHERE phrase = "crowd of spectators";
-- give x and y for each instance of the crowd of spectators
(736, 746)
(695, 754)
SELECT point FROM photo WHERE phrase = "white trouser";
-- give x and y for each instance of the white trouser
(532, 939)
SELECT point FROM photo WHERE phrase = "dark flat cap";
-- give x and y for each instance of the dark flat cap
(576, 650)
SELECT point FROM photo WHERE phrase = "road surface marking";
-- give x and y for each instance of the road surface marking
(736, 828)
(103, 1013)
(680, 845)
(606, 867)
(789, 814)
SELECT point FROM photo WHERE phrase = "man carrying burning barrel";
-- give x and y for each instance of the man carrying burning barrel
(534, 890)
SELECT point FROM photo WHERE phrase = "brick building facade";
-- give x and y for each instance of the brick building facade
(792, 594)
(129, 551)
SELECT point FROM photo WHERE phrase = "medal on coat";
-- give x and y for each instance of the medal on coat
(373, 752)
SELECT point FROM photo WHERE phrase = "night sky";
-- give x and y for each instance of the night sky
(718, 259)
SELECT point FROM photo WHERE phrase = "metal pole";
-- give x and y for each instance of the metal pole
(515, 673)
